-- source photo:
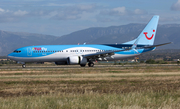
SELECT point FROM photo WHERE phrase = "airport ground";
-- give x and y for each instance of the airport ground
(103, 86)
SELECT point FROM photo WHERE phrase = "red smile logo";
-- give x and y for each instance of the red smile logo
(149, 38)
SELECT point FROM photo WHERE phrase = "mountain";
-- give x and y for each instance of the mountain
(120, 34)
(99, 35)
(9, 41)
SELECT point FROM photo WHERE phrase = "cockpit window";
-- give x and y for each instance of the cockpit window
(16, 51)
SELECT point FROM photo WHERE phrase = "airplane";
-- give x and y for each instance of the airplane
(83, 54)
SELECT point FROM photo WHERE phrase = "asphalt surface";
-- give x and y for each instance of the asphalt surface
(34, 66)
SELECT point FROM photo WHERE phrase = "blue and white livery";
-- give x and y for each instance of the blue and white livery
(82, 54)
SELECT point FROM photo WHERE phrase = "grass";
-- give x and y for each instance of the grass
(139, 87)
(93, 100)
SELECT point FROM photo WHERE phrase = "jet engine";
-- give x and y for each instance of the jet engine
(74, 60)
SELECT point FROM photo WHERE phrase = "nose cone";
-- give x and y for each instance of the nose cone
(9, 56)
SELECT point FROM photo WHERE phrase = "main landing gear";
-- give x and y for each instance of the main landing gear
(24, 65)
(91, 64)
(82, 65)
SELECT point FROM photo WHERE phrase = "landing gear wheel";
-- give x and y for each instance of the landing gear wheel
(82, 65)
(24, 65)
(91, 64)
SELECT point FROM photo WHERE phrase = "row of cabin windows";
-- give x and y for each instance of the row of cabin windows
(72, 51)
(46, 51)
(90, 50)
(86, 50)
(77, 50)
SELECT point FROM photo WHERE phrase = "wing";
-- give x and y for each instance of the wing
(110, 52)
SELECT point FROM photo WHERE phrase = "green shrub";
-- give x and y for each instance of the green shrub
(150, 61)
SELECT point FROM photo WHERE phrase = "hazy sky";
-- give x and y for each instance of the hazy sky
(60, 17)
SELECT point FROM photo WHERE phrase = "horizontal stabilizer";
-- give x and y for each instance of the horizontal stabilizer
(157, 45)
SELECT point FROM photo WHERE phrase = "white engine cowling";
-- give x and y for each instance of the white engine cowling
(83, 60)
(74, 60)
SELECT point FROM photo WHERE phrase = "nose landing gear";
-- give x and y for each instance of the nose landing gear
(24, 65)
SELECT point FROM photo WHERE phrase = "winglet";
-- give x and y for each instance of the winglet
(135, 44)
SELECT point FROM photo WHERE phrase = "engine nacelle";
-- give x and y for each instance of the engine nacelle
(74, 60)
(60, 63)
(83, 60)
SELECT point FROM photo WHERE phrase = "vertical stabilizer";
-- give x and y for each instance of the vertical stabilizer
(147, 36)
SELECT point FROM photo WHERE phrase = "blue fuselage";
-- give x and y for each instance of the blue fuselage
(58, 53)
